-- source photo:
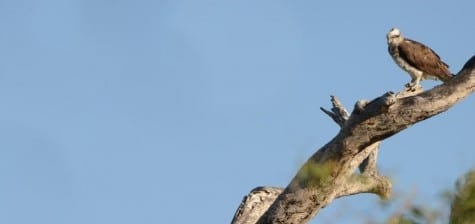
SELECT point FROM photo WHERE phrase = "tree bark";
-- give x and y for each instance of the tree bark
(331, 172)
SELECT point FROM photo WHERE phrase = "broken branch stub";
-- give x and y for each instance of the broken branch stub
(330, 172)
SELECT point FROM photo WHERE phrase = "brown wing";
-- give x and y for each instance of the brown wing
(425, 59)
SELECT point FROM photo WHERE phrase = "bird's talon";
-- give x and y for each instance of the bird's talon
(415, 58)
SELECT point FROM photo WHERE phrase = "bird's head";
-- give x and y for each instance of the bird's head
(394, 36)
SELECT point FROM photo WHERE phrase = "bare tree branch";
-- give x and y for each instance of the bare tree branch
(338, 112)
(255, 204)
(330, 172)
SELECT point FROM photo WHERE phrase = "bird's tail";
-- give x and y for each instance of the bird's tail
(447, 78)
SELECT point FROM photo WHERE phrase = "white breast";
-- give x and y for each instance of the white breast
(413, 72)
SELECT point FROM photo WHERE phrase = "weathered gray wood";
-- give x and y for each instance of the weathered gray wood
(338, 112)
(330, 172)
(255, 203)
(259, 199)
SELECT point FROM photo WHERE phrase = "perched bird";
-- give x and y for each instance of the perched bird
(418, 60)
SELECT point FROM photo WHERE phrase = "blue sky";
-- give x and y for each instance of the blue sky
(171, 111)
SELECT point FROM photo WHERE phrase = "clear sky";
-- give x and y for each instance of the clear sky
(116, 111)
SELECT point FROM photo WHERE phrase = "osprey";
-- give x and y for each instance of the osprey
(418, 60)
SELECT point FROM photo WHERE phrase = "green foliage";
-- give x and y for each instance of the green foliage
(314, 174)
(401, 220)
(462, 209)
(463, 204)
(415, 214)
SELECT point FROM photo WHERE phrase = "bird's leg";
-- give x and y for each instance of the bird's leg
(418, 79)
(414, 84)
(411, 84)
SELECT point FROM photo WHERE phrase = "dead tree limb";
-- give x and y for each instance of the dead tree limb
(331, 172)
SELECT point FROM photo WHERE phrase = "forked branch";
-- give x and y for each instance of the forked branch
(330, 172)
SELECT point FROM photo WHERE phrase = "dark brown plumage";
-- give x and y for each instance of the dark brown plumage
(417, 59)
(425, 59)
